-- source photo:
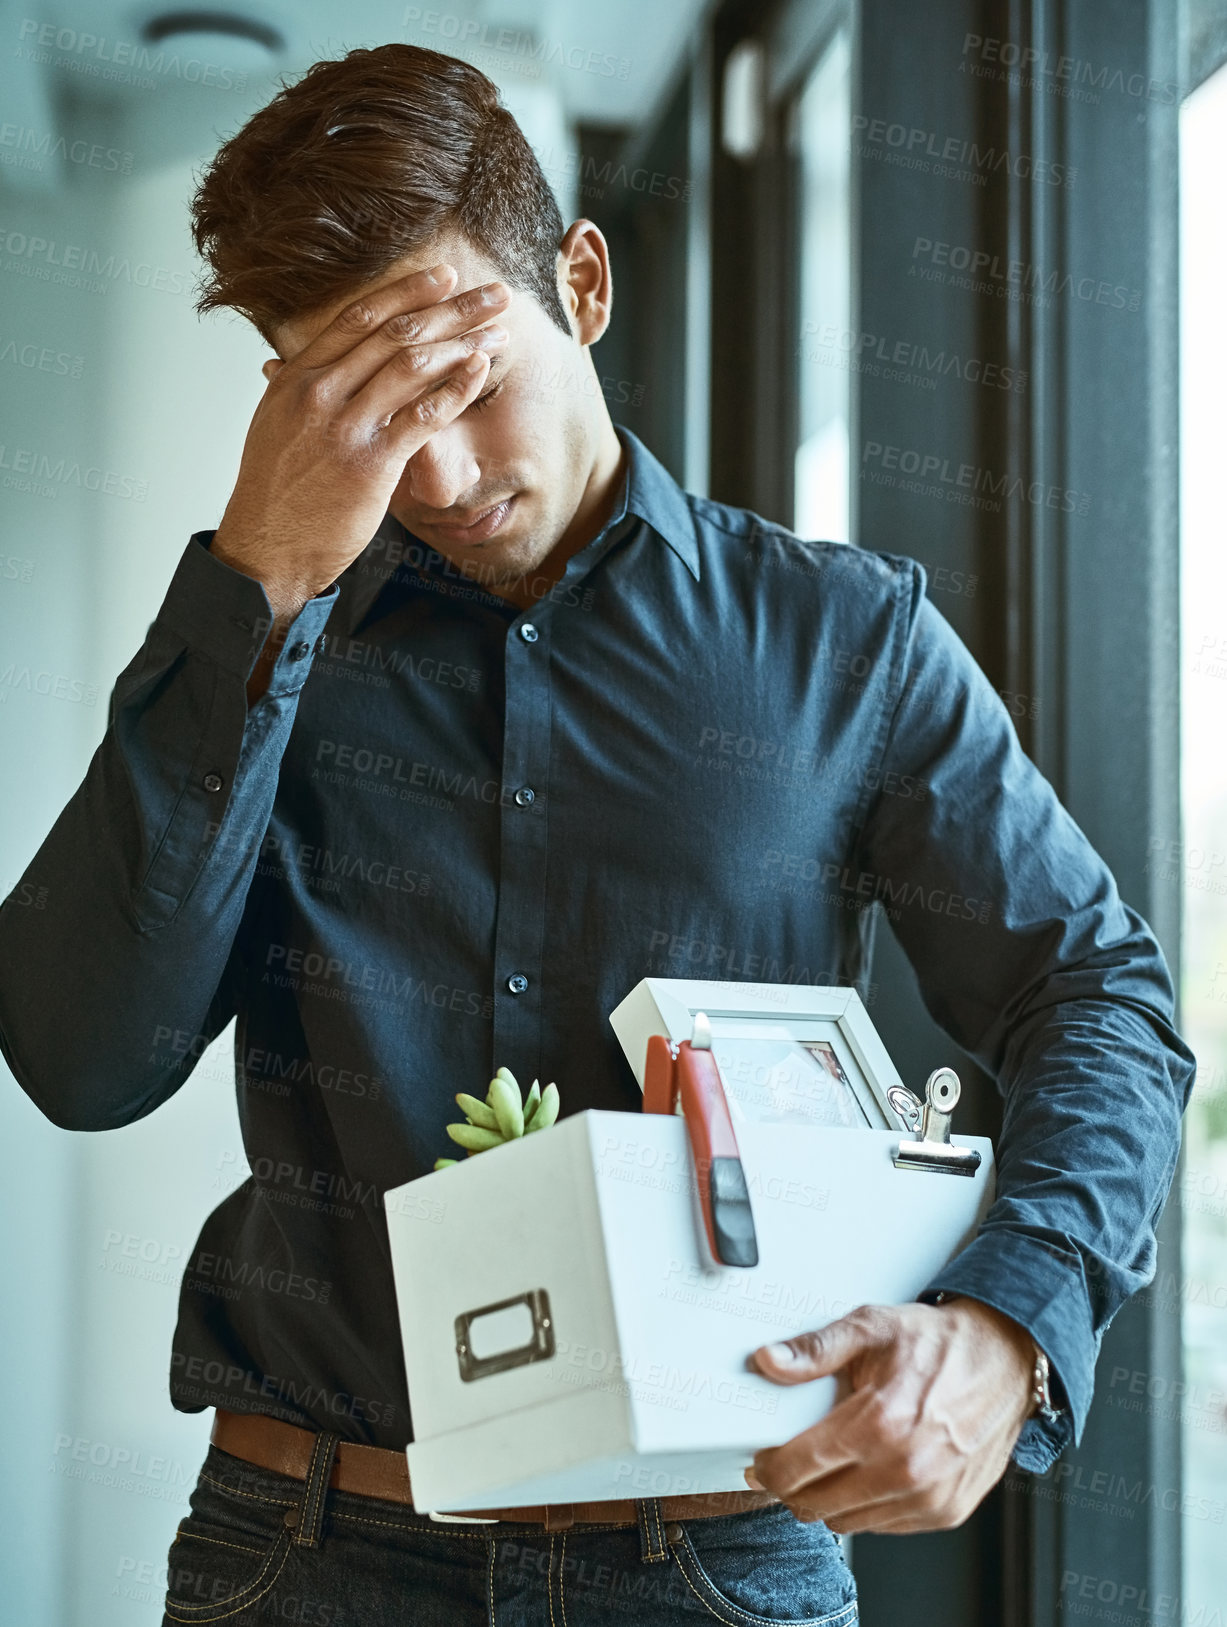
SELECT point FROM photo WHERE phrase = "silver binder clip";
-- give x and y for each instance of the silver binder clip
(908, 1107)
(932, 1149)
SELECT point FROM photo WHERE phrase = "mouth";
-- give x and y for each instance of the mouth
(484, 524)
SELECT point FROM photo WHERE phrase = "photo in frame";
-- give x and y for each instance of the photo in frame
(788, 1054)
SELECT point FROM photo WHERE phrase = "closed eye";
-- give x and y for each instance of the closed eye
(482, 399)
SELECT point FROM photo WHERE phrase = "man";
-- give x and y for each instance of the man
(528, 723)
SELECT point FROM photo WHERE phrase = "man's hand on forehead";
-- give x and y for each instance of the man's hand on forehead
(408, 296)
(341, 418)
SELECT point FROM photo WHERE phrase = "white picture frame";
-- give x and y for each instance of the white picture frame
(777, 1046)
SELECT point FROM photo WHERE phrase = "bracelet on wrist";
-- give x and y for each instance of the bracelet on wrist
(1041, 1390)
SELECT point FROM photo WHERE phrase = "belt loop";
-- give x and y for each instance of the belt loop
(311, 1510)
(652, 1545)
(559, 1516)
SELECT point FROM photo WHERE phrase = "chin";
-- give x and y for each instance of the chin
(488, 564)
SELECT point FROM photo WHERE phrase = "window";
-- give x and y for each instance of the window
(1200, 857)
(820, 138)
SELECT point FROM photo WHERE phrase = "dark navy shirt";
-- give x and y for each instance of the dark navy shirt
(453, 834)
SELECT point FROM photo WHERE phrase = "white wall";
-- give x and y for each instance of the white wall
(163, 399)
(97, 1464)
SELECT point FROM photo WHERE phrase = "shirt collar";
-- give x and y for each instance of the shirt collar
(649, 492)
(654, 495)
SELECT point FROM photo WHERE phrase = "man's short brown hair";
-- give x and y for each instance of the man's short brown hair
(362, 161)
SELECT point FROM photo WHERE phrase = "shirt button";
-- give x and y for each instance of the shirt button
(212, 782)
(297, 651)
(528, 632)
(525, 795)
(518, 983)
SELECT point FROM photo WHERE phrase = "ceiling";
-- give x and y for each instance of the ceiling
(86, 68)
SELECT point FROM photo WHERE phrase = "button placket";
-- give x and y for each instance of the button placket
(519, 943)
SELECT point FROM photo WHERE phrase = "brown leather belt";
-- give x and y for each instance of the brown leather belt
(375, 1471)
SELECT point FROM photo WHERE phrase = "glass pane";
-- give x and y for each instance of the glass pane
(1200, 857)
(822, 127)
(788, 1081)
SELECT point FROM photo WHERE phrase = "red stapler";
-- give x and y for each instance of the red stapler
(688, 1069)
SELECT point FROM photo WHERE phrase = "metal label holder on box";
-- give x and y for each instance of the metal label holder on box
(594, 1346)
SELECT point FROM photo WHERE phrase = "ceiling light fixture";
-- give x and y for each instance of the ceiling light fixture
(216, 25)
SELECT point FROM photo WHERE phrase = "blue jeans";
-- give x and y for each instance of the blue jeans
(261, 1547)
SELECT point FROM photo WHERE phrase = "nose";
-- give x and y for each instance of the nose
(441, 471)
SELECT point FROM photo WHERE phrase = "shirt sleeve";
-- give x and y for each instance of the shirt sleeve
(1028, 958)
(119, 941)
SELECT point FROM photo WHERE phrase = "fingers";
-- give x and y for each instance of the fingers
(893, 1516)
(813, 1355)
(907, 1523)
(850, 1497)
(920, 1440)
(880, 1496)
(873, 1485)
(418, 419)
(408, 335)
(833, 1443)
(878, 1520)
(410, 373)
(907, 1512)
(850, 1431)
(361, 318)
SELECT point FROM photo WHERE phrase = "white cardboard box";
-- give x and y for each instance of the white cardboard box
(637, 1384)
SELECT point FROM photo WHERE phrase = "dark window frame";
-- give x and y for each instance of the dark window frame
(1076, 612)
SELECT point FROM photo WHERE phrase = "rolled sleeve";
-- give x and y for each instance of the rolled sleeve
(1027, 957)
(144, 876)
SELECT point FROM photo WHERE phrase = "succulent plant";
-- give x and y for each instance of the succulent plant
(503, 1116)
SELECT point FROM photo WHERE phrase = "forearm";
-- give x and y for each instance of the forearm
(1055, 986)
(1071, 1234)
(112, 987)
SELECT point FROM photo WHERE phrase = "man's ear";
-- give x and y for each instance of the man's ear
(585, 281)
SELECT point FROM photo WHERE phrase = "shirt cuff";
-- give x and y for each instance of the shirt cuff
(226, 615)
(1043, 1292)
